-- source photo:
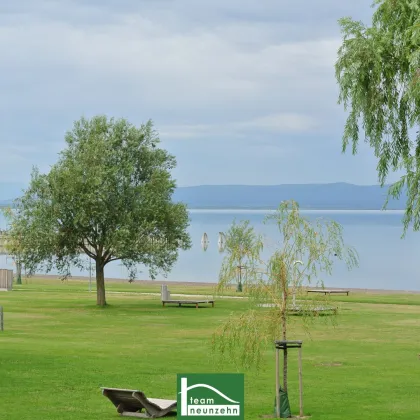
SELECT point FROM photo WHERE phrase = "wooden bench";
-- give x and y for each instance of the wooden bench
(166, 298)
(188, 302)
(328, 291)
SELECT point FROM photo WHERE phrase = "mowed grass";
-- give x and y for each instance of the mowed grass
(58, 349)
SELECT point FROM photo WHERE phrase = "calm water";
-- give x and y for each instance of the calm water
(386, 260)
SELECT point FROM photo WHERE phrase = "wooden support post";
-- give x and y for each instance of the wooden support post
(300, 384)
(277, 394)
(284, 345)
(1, 319)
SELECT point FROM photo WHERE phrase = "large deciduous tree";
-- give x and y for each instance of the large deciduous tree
(378, 72)
(109, 197)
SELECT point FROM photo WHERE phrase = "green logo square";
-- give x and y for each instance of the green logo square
(210, 395)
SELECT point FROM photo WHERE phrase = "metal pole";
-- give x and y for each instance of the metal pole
(300, 384)
(277, 394)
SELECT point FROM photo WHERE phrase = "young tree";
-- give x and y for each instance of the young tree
(378, 72)
(315, 245)
(108, 196)
(12, 245)
(241, 246)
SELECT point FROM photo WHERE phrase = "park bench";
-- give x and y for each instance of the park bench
(131, 403)
(166, 298)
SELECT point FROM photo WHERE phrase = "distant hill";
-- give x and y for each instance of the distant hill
(309, 196)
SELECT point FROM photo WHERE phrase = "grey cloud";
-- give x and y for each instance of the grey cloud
(182, 69)
(209, 73)
(274, 123)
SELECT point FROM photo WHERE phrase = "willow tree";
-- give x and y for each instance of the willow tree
(109, 197)
(241, 246)
(378, 72)
(272, 283)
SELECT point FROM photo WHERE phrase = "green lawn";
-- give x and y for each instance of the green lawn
(58, 348)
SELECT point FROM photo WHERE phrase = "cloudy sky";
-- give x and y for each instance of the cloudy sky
(241, 91)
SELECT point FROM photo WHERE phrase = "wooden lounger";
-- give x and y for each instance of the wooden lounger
(188, 302)
(325, 291)
(166, 298)
(131, 402)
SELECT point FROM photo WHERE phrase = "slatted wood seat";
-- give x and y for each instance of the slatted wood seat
(131, 403)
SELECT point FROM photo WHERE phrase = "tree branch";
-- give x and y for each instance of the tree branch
(91, 244)
(108, 256)
(114, 259)
(87, 252)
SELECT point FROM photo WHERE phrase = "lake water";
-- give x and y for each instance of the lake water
(386, 260)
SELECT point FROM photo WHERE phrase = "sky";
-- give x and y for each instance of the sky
(240, 91)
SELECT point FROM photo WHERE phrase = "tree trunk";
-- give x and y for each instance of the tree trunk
(100, 283)
(284, 334)
(284, 323)
(18, 271)
(239, 286)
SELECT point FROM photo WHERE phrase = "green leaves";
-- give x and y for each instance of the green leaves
(275, 286)
(109, 196)
(378, 72)
(242, 249)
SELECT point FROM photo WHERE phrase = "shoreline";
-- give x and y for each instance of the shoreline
(208, 284)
